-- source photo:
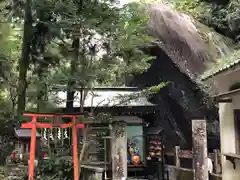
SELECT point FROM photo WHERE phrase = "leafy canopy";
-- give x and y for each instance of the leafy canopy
(87, 43)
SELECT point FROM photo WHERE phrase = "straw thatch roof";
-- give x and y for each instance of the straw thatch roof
(192, 46)
(183, 51)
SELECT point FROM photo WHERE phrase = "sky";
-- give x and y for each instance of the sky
(125, 1)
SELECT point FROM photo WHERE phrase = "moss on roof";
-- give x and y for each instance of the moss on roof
(222, 64)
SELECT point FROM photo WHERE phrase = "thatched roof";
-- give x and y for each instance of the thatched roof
(184, 50)
(190, 45)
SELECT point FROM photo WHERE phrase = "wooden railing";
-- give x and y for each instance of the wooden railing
(187, 154)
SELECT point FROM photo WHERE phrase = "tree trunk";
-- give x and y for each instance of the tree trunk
(42, 91)
(71, 82)
(85, 132)
(24, 60)
(70, 99)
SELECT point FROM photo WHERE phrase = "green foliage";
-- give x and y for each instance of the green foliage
(110, 37)
(72, 43)
(110, 44)
(111, 53)
(222, 16)
(9, 53)
(157, 88)
(57, 168)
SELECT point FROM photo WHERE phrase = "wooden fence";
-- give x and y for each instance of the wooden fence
(187, 154)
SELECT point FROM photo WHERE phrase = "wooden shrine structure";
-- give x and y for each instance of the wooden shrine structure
(23, 138)
(135, 118)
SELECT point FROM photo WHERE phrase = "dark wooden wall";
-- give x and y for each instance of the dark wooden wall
(179, 102)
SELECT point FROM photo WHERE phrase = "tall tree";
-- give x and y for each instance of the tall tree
(103, 47)
(101, 42)
(24, 59)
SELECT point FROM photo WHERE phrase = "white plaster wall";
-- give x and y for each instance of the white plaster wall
(222, 83)
(228, 145)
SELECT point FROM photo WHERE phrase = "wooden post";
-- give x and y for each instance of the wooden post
(119, 150)
(21, 148)
(200, 158)
(177, 160)
(106, 155)
(27, 148)
(216, 168)
(32, 148)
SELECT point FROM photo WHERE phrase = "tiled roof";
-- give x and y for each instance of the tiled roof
(220, 69)
(25, 133)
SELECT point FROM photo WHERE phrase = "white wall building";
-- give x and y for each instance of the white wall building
(225, 83)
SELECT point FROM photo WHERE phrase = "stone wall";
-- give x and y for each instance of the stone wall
(185, 174)
(91, 173)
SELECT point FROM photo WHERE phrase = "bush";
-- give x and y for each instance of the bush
(57, 168)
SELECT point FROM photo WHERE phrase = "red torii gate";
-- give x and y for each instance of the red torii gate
(34, 125)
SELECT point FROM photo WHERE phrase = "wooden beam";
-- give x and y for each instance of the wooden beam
(37, 115)
(128, 119)
(133, 89)
(49, 125)
(123, 110)
(227, 95)
(228, 100)
(54, 115)
(29, 125)
(200, 158)
(187, 154)
(217, 168)
(177, 160)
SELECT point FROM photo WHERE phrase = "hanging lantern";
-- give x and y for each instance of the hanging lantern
(136, 159)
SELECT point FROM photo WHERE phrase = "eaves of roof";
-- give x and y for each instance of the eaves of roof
(221, 70)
